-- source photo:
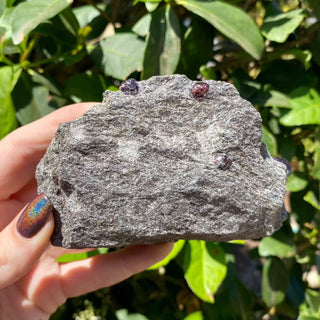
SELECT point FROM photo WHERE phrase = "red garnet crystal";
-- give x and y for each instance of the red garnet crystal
(199, 90)
(129, 86)
(223, 161)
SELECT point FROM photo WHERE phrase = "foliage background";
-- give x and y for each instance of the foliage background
(56, 52)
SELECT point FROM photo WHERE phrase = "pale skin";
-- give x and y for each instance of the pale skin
(32, 284)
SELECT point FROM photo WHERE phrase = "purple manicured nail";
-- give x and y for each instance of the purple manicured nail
(34, 216)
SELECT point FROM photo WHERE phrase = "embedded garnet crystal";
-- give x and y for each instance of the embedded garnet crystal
(223, 161)
(199, 90)
(286, 163)
(129, 86)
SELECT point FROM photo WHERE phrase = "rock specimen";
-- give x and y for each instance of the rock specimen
(161, 160)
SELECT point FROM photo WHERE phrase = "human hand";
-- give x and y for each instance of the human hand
(32, 283)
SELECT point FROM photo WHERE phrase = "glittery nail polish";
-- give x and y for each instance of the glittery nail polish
(34, 216)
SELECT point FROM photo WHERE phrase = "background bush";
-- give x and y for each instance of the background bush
(56, 52)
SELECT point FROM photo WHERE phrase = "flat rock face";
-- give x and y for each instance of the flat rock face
(163, 161)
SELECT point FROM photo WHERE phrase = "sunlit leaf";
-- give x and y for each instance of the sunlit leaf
(279, 27)
(231, 21)
(316, 167)
(197, 315)
(119, 55)
(162, 52)
(205, 268)
(8, 79)
(142, 26)
(270, 141)
(175, 251)
(38, 11)
(278, 244)
(311, 198)
(305, 105)
(296, 182)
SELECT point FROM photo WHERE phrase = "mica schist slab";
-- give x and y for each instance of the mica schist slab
(160, 160)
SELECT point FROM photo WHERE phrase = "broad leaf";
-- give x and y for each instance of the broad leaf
(142, 26)
(277, 245)
(119, 55)
(275, 281)
(296, 182)
(270, 141)
(175, 251)
(316, 167)
(8, 79)
(197, 315)
(278, 28)
(311, 198)
(32, 99)
(162, 52)
(85, 14)
(69, 257)
(197, 47)
(40, 105)
(305, 108)
(37, 11)
(205, 268)
(84, 87)
(231, 21)
(241, 300)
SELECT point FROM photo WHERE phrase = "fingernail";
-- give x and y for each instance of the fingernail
(34, 216)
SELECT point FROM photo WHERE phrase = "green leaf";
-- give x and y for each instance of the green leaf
(195, 316)
(8, 79)
(276, 99)
(123, 314)
(240, 299)
(230, 21)
(305, 104)
(119, 55)
(311, 198)
(151, 6)
(40, 105)
(278, 244)
(278, 28)
(270, 141)
(84, 87)
(162, 52)
(275, 281)
(33, 100)
(37, 11)
(69, 257)
(197, 39)
(296, 182)
(175, 251)
(142, 26)
(86, 13)
(316, 167)
(205, 268)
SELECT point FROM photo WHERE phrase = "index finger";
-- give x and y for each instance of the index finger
(21, 150)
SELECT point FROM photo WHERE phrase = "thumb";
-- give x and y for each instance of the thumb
(23, 241)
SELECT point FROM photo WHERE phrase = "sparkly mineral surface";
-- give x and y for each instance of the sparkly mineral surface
(162, 164)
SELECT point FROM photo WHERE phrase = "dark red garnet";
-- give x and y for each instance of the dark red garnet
(223, 161)
(129, 86)
(199, 90)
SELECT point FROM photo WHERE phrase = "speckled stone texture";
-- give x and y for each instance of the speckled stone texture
(163, 164)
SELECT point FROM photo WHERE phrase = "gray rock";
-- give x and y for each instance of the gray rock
(160, 164)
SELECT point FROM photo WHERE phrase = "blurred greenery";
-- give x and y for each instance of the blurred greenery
(55, 52)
